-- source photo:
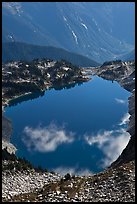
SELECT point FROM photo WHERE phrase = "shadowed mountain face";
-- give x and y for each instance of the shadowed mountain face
(13, 51)
(98, 30)
(129, 56)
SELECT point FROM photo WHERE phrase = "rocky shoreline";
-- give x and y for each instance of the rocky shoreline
(20, 79)
(6, 134)
(124, 74)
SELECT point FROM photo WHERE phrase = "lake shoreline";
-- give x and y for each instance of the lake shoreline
(6, 143)
(123, 85)
(10, 100)
(107, 185)
(126, 79)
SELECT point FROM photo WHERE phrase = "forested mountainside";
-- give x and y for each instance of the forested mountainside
(14, 51)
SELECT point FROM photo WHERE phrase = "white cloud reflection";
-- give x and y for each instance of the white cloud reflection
(111, 144)
(73, 171)
(121, 101)
(46, 139)
(125, 119)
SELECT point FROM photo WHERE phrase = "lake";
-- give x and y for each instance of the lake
(80, 130)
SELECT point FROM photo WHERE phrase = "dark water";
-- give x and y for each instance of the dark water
(77, 130)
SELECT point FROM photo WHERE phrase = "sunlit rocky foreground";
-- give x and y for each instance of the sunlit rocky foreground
(111, 185)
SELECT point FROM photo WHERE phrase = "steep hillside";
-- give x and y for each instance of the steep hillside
(14, 51)
(98, 30)
(128, 56)
(22, 183)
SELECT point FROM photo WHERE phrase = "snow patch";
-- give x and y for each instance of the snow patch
(48, 75)
(40, 67)
(74, 35)
(103, 49)
(94, 21)
(66, 68)
(64, 18)
(84, 25)
(76, 39)
(10, 36)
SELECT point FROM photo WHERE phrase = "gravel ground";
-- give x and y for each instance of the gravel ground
(111, 185)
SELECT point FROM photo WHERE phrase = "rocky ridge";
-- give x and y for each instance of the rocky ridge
(20, 78)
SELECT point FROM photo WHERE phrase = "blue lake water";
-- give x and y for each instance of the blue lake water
(80, 129)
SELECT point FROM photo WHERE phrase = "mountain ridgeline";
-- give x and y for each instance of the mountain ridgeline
(14, 51)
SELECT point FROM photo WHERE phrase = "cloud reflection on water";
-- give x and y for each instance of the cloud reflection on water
(46, 139)
(73, 171)
(125, 119)
(121, 101)
(111, 143)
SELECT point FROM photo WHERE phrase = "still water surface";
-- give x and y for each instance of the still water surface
(77, 130)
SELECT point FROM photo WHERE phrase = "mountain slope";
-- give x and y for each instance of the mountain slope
(94, 29)
(21, 51)
(129, 56)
